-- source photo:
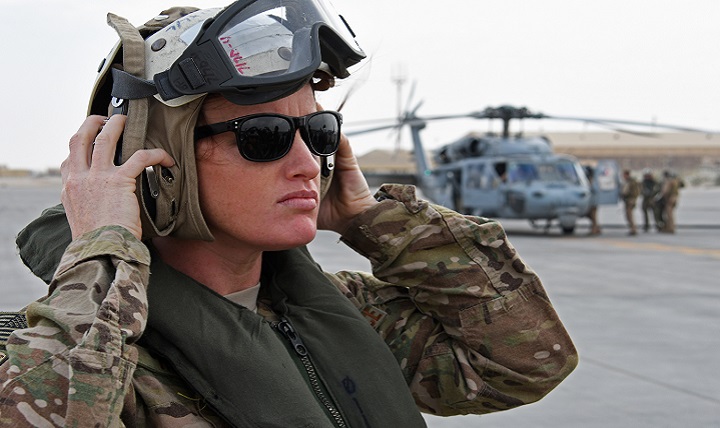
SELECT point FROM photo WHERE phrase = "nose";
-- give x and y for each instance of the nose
(300, 161)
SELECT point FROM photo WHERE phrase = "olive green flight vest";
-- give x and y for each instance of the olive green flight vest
(243, 366)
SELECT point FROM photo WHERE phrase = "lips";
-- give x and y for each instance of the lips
(303, 199)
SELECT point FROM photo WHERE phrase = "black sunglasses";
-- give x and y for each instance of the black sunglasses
(267, 137)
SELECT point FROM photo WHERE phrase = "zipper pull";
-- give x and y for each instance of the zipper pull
(291, 335)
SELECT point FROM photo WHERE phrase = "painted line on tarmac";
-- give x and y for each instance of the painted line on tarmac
(692, 251)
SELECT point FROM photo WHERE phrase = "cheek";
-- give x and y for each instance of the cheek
(219, 149)
(228, 184)
(218, 173)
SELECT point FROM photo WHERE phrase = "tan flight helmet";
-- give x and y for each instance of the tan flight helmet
(158, 74)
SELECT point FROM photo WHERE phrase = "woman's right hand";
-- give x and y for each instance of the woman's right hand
(95, 191)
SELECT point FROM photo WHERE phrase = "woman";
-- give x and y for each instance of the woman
(224, 318)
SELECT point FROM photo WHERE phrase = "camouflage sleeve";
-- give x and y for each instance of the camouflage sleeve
(74, 364)
(470, 324)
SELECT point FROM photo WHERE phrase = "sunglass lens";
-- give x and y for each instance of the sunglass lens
(265, 138)
(324, 131)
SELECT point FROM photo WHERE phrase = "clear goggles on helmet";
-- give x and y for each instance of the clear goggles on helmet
(267, 137)
(256, 51)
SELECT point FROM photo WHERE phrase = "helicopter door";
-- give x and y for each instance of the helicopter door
(481, 194)
(606, 183)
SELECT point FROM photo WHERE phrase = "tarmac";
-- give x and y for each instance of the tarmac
(643, 311)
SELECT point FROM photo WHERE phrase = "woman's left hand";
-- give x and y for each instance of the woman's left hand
(349, 194)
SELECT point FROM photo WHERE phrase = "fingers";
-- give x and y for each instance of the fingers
(96, 192)
(344, 144)
(144, 158)
(344, 157)
(105, 142)
(81, 142)
(95, 142)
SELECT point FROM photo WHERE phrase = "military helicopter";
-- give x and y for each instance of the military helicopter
(512, 176)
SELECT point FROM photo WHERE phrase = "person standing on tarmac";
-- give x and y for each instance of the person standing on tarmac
(181, 292)
(593, 208)
(669, 193)
(629, 195)
(649, 188)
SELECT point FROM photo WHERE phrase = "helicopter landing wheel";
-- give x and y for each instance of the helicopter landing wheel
(568, 230)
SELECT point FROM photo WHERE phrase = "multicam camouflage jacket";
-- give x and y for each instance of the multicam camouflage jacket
(469, 324)
(630, 191)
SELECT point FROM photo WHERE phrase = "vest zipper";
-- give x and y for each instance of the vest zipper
(287, 330)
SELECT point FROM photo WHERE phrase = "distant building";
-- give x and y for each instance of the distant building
(8, 172)
(400, 161)
(679, 151)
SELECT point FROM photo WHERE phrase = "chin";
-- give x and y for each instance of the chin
(287, 244)
(297, 235)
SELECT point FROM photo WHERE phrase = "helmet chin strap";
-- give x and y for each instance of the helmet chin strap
(151, 183)
(135, 132)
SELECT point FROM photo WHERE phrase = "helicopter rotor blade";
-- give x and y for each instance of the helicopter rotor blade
(350, 133)
(408, 120)
(412, 112)
(609, 122)
(403, 114)
(507, 113)
(609, 126)
(368, 122)
(625, 130)
(411, 95)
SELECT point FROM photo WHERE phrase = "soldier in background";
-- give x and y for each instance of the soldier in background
(629, 194)
(592, 210)
(649, 188)
(669, 195)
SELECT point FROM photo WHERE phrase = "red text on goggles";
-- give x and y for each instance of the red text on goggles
(267, 137)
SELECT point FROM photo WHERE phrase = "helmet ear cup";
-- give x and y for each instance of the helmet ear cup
(167, 196)
(177, 205)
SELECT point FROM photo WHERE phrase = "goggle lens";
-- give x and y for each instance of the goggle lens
(271, 38)
(268, 137)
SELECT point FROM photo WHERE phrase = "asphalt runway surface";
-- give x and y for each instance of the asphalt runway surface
(644, 312)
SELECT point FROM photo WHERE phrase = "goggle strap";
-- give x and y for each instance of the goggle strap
(164, 87)
(129, 87)
(192, 74)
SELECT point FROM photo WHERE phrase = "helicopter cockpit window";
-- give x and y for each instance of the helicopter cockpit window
(558, 172)
(523, 172)
(568, 172)
(526, 172)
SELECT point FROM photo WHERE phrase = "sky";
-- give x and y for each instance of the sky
(644, 60)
